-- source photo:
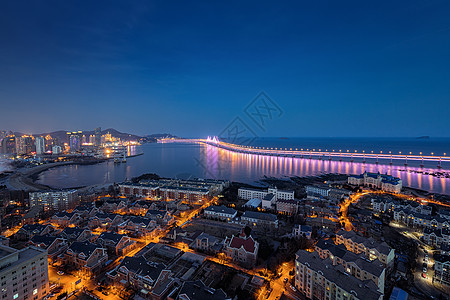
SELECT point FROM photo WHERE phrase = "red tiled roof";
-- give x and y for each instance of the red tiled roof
(247, 243)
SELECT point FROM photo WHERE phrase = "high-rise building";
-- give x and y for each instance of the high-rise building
(23, 273)
(48, 142)
(98, 136)
(92, 139)
(57, 200)
(9, 145)
(40, 145)
(24, 144)
(75, 140)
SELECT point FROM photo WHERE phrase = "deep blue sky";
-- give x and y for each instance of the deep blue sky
(336, 68)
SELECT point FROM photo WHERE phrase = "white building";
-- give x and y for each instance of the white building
(314, 191)
(39, 141)
(58, 200)
(249, 193)
(384, 182)
(56, 149)
(23, 273)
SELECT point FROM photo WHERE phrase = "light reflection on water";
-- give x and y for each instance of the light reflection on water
(171, 160)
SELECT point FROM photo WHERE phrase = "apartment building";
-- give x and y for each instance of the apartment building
(436, 237)
(220, 212)
(23, 273)
(323, 280)
(356, 265)
(367, 246)
(442, 269)
(58, 199)
(250, 193)
(254, 218)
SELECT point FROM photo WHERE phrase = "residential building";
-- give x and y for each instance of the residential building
(197, 290)
(86, 257)
(287, 207)
(53, 244)
(259, 219)
(76, 234)
(207, 243)
(302, 231)
(242, 249)
(220, 212)
(57, 200)
(105, 220)
(368, 246)
(23, 273)
(436, 237)
(356, 265)
(162, 217)
(268, 201)
(64, 219)
(317, 191)
(442, 269)
(322, 280)
(414, 219)
(250, 193)
(27, 231)
(118, 244)
(136, 272)
(384, 182)
(139, 226)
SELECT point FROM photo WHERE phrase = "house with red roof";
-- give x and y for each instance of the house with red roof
(242, 249)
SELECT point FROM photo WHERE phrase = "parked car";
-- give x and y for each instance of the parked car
(60, 273)
(424, 270)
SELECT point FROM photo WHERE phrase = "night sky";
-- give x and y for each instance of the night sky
(333, 68)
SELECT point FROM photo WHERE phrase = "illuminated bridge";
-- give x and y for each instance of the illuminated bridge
(318, 153)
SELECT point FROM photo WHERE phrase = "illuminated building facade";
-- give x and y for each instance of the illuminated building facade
(24, 144)
(9, 145)
(384, 182)
(40, 145)
(57, 200)
(322, 280)
(23, 273)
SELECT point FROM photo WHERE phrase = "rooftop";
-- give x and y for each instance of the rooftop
(221, 209)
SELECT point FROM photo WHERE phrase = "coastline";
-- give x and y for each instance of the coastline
(25, 178)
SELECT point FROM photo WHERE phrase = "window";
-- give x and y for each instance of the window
(16, 296)
(34, 291)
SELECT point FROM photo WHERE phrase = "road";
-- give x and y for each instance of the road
(343, 209)
(425, 285)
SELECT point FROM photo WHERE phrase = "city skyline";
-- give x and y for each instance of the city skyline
(191, 69)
